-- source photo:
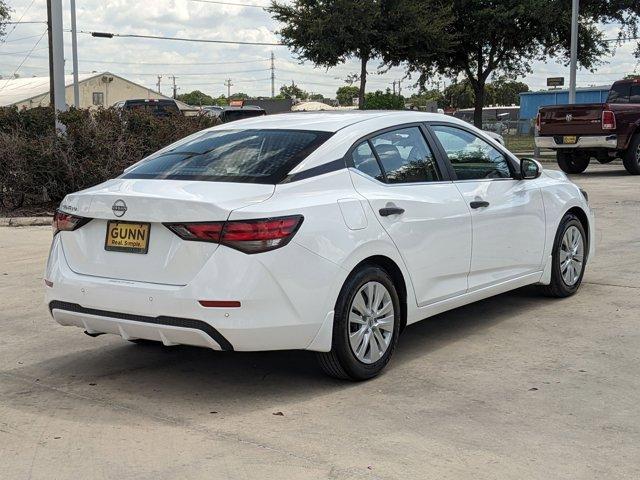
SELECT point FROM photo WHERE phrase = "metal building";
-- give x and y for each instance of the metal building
(530, 102)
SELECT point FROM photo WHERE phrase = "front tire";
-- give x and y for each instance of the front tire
(572, 162)
(366, 326)
(631, 158)
(569, 258)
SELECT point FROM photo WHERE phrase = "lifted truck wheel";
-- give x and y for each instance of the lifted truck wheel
(572, 162)
(631, 158)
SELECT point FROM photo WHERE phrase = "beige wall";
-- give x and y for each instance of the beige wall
(114, 91)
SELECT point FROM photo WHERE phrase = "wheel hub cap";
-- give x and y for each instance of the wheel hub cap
(571, 256)
(371, 321)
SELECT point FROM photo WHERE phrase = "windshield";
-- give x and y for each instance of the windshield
(249, 156)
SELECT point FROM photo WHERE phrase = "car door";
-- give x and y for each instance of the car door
(419, 207)
(507, 214)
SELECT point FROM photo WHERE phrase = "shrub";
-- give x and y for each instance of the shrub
(383, 101)
(37, 162)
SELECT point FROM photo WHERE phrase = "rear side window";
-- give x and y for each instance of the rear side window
(405, 156)
(365, 161)
(246, 156)
(619, 93)
(634, 96)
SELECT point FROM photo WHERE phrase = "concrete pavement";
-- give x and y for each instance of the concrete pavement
(514, 387)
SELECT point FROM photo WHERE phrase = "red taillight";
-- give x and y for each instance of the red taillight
(248, 236)
(65, 222)
(538, 121)
(608, 120)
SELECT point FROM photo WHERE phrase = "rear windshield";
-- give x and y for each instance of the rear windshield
(231, 115)
(156, 108)
(247, 156)
(619, 93)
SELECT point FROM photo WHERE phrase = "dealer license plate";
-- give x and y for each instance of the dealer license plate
(129, 237)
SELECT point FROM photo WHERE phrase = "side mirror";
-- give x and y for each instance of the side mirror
(529, 169)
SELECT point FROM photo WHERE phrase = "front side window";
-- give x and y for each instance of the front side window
(405, 156)
(471, 157)
(246, 156)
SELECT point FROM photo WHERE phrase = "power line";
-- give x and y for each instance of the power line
(24, 60)
(179, 39)
(19, 39)
(24, 51)
(18, 22)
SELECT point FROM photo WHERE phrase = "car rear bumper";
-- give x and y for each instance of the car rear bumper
(584, 142)
(273, 314)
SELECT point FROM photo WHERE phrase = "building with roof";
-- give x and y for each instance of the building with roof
(96, 90)
(530, 102)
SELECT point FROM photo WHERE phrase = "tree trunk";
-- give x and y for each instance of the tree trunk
(363, 79)
(479, 90)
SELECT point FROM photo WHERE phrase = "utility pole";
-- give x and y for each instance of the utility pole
(399, 87)
(56, 59)
(74, 51)
(228, 84)
(394, 88)
(273, 76)
(575, 8)
(158, 84)
(175, 88)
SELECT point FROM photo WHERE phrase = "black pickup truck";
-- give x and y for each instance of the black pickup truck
(604, 131)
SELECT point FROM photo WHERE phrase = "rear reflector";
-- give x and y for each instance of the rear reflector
(48, 283)
(65, 222)
(219, 303)
(248, 236)
(608, 120)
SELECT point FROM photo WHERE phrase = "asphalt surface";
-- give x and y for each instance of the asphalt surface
(515, 387)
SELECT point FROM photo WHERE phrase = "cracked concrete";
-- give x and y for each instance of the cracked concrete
(514, 387)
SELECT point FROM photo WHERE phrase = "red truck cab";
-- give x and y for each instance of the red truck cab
(604, 131)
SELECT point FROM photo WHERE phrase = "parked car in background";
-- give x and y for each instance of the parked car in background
(604, 131)
(233, 113)
(157, 107)
(327, 232)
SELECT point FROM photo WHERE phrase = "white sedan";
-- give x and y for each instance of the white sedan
(321, 231)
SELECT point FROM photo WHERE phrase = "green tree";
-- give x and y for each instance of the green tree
(346, 94)
(329, 32)
(428, 97)
(239, 96)
(505, 92)
(196, 98)
(505, 37)
(316, 97)
(293, 91)
(379, 100)
(459, 95)
(5, 14)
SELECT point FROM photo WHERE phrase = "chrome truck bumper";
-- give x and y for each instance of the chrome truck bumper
(584, 142)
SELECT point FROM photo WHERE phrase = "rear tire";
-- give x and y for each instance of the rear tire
(572, 162)
(565, 257)
(631, 158)
(365, 324)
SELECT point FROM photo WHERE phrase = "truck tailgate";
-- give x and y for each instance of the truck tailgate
(585, 119)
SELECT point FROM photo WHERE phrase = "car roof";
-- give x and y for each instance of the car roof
(333, 121)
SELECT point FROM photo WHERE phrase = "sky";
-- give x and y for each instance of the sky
(205, 66)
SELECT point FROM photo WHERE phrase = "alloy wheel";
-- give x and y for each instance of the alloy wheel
(371, 322)
(571, 255)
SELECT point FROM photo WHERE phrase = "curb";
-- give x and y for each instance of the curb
(25, 221)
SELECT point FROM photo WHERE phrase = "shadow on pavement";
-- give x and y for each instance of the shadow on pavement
(196, 380)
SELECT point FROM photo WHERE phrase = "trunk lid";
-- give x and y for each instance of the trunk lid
(585, 119)
(169, 259)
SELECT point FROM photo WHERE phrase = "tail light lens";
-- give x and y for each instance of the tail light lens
(248, 236)
(538, 122)
(65, 222)
(608, 120)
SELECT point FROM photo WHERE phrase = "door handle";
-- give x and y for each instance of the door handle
(479, 204)
(385, 212)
